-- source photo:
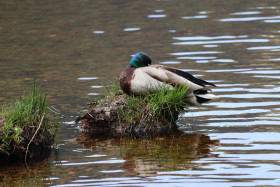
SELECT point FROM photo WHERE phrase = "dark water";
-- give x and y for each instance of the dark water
(76, 47)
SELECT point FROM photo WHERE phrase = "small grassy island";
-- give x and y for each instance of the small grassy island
(27, 127)
(157, 95)
(121, 115)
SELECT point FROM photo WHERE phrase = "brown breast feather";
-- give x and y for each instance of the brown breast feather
(125, 79)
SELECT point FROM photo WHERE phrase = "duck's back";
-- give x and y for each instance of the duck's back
(142, 82)
(137, 81)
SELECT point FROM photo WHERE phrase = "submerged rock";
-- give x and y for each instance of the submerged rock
(115, 117)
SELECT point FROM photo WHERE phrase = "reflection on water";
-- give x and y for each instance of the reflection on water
(75, 48)
(147, 156)
(35, 174)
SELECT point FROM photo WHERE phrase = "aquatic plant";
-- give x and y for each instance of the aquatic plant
(27, 122)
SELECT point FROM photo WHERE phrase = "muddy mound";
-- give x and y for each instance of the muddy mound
(114, 117)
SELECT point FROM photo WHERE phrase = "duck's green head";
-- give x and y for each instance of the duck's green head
(140, 60)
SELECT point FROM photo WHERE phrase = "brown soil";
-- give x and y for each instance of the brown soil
(39, 146)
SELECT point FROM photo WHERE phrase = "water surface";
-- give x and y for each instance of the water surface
(75, 48)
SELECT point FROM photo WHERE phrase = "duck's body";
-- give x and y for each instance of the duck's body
(150, 78)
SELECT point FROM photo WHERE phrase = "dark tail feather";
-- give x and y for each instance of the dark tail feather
(207, 83)
(202, 95)
(201, 100)
(203, 90)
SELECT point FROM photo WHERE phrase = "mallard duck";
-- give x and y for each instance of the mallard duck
(141, 77)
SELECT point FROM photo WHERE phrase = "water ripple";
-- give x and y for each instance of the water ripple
(263, 48)
(96, 86)
(195, 53)
(157, 16)
(272, 21)
(222, 42)
(111, 171)
(112, 161)
(195, 17)
(170, 62)
(159, 10)
(224, 112)
(232, 85)
(87, 78)
(97, 32)
(93, 94)
(95, 155)
(246, 13)
(243, 104)
(209, 46)
(268, 76)
(254, 90)
(196, 57)
(275, 59)
(223, 60)
(262, 72)
(249, 18)
(243, 123)
(250, 96)
(132, 29)
(227, 70)
(209, 37)
(202, 61)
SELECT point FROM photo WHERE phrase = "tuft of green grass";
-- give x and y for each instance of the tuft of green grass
(164, 104)
(19, 120)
